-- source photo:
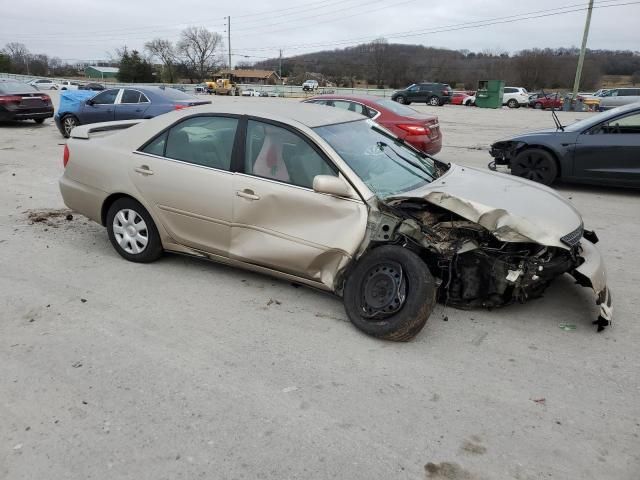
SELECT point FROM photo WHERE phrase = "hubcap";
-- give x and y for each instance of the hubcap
(384, 290)
(434, 102)
(130, 231)
(400, 99)
(534, 167)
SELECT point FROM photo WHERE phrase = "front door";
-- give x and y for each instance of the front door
(610, 151)
(279, 221)
(100, 108)
(184, 175)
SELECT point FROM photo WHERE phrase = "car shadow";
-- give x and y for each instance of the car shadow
(23, 124)
(568, 188)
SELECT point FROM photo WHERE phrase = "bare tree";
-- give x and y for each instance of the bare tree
(199, 47)
(378, 54)
(19, 55)
(165, 52)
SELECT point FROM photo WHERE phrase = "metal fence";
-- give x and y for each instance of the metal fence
(294, 91)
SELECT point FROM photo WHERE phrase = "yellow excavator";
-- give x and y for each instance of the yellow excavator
(223, 86)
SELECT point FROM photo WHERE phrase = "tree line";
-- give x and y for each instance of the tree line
(384, 64)
(197, 55)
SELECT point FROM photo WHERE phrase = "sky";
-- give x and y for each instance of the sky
(85, 30)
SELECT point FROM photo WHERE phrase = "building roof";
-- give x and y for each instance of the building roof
(248, 73)
(104, 69)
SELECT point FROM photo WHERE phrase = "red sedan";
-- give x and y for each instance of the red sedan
(420, 130)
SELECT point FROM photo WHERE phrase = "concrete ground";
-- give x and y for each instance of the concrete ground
(188, 369)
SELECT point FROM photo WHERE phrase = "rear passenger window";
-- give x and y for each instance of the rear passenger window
(351, 106)
(130, 96)
(279, 154)
(204, 141)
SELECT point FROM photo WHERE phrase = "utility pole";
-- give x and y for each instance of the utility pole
(576, 83)
(280, 72)
(229, 41)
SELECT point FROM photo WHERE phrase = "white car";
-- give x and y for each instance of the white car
(44, 84)
(250, 92)
(310, 85)
(68, 85)
(515, 97)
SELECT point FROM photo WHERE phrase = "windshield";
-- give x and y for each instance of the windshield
(382, 162)
(600, 117)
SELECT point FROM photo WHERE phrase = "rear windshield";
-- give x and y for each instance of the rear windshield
(396, 107)
(16, 87)
(173, 94)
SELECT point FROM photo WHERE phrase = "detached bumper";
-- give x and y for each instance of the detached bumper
(592, 274)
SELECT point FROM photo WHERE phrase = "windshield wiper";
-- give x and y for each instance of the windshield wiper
(383, 145)
(557, 121)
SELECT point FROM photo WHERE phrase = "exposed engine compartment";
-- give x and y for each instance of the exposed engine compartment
(476, 269)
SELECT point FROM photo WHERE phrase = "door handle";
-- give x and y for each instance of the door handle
(144, 170)
(248, 194)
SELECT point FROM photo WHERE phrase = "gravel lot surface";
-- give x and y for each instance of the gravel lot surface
(187, 369)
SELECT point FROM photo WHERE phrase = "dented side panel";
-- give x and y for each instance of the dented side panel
(295, 230)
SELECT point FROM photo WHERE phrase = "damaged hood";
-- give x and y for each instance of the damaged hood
(512, 208)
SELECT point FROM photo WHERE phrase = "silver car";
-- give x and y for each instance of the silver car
(616, 97)
(324, 197)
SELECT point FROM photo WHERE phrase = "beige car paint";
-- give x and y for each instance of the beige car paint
(290, 238)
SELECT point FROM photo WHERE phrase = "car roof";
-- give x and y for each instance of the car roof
(355, 97)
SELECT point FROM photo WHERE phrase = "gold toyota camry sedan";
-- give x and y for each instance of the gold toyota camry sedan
(328, 198)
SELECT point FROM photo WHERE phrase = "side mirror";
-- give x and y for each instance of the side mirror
(332, 186)
(90, 102)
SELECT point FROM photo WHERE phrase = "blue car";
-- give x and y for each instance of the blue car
(79, 107)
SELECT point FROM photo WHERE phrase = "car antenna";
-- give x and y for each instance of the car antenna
(556, 120)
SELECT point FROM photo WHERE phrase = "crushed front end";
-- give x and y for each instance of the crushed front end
(477, 269)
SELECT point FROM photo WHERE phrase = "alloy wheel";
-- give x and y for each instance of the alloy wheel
(69, 123)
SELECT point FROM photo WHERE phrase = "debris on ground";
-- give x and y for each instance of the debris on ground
(567, 326)
(76, 364)
(540, 401)
(49, 217)
(289, 389)
(83, 300)
(447, 471)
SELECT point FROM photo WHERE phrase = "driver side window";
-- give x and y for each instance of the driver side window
(628, 124)
(108, 97)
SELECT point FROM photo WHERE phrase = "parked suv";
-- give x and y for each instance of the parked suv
(515, 97)
(433, 94)
(616, 97)
(310, 85)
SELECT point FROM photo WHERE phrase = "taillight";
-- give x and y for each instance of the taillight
(46, 99)
(65, 156)
(10, 99)
(415, 129)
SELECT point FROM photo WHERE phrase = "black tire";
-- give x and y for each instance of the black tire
(513, 103)
(402, 100)
(535, 164)
(153, 248)
(434, 101)
(66, 122)
(404, 302)
(39, 121)
(538, 106)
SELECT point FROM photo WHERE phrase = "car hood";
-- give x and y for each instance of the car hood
(511, 208)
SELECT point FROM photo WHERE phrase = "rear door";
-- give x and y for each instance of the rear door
(131, 105)
(610, 152)
(279, 221)
(102, 107)
(184, 175)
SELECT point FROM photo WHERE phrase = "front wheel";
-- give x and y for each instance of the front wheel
(401, 100)
(538, 106)
(39, 121)
(132, 231)
(513, 103)
(390, 294)
(434, 101)
(535, 164)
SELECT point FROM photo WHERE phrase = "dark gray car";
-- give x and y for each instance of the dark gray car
(602, 150)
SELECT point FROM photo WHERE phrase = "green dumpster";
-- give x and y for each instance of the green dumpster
(490, 93)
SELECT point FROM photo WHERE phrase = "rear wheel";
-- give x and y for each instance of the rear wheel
(390, 293)
(434, 101)
(39, 121)
(401, 100)
(69, 122)
(538, 106)
(535, 164)
(132, 231)
(513, 103)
